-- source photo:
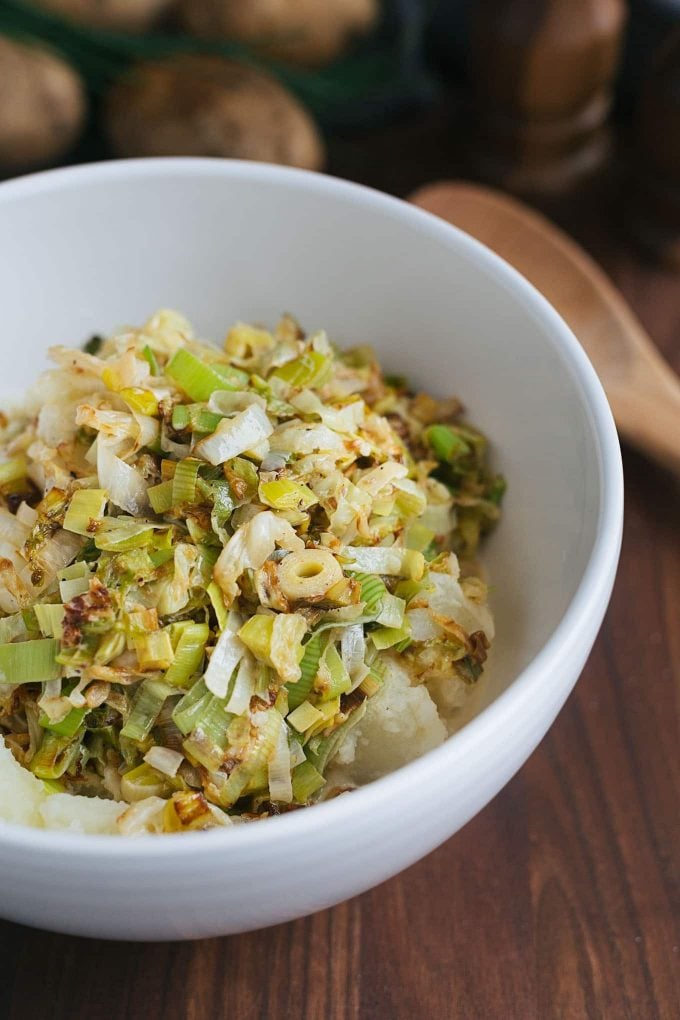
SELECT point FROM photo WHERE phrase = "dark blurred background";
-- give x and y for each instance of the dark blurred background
(87, 79)
(563, 102)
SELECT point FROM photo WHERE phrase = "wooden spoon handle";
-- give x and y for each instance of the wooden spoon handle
(643, 390)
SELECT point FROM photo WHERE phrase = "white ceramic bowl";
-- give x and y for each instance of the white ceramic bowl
(90, 248)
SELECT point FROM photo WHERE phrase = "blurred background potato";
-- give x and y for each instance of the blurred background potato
(43, 105)
(203, 105)
(306, 32)
(119, 15)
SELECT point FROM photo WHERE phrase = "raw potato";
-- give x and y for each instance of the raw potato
(43, 105)
(306, 32)
(119, 15)
(209, 106)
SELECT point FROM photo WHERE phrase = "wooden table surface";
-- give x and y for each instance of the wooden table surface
(560, 900)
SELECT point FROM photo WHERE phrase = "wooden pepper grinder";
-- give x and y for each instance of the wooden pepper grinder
(653, 215)
(542, 76)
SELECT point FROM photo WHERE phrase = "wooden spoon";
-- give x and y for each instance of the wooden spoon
(643, 391)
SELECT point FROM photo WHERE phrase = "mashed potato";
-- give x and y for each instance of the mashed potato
(25, 799)
(400, 724)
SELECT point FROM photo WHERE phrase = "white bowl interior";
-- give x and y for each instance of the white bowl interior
(85, 254)
(85, 250)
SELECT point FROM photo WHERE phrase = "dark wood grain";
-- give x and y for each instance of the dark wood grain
(655, 184)
(561, 899)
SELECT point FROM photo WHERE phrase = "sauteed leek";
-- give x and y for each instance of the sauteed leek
(211, 560)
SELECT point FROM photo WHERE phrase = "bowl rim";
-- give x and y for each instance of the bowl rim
(587, 603)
